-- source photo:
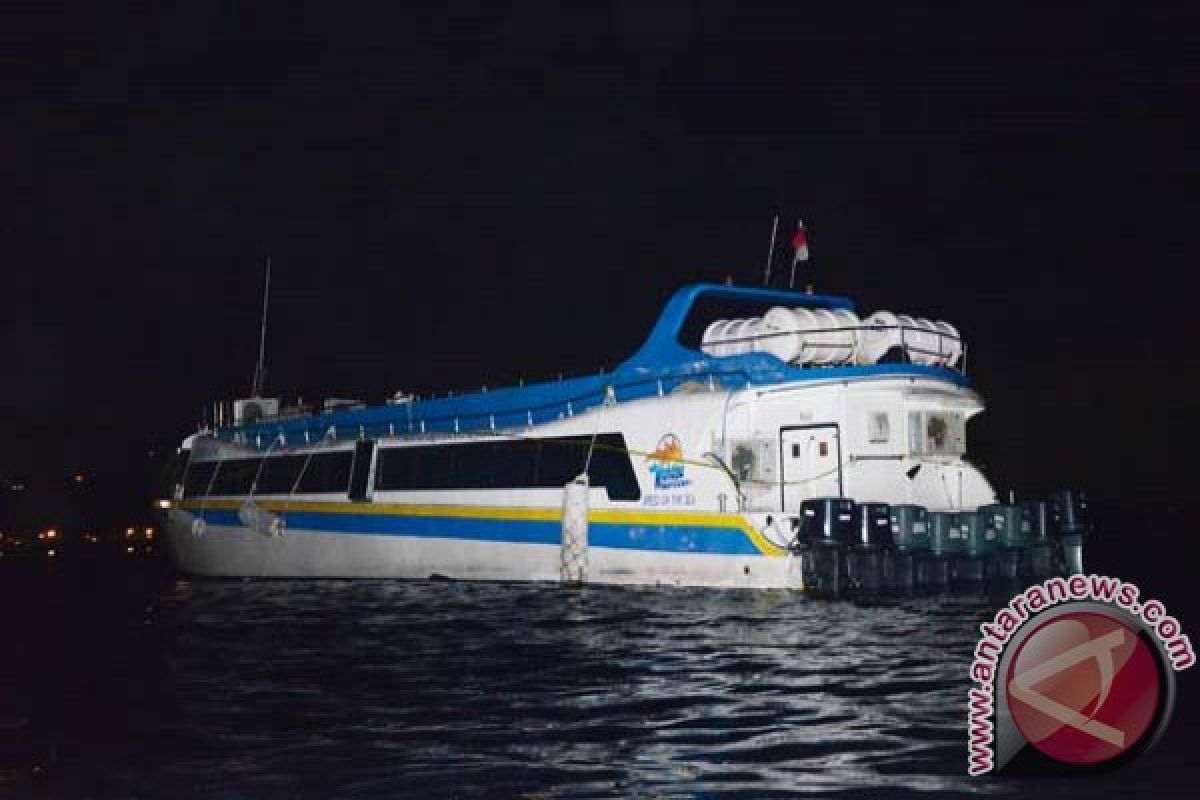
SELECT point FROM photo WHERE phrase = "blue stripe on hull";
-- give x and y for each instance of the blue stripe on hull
(660, 538)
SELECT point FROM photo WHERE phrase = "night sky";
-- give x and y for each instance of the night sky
(467, 193)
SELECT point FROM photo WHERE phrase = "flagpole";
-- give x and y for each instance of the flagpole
(796, 257)
(771, 252)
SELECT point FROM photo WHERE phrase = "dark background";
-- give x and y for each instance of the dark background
(472, 192)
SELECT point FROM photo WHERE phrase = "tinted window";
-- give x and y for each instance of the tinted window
(474, 466)
(437, 467)
(279, 474)
(611, 468)
(561, 460)
(397, 468)
(514, 464)
(197, 477)
(326, 473)
(235, 476)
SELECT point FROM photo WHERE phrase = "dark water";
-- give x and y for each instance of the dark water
(130, 682)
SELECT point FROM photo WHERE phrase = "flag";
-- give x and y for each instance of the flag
(800, 243)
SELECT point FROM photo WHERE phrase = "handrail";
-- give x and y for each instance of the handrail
(941, 335)
(662, 345)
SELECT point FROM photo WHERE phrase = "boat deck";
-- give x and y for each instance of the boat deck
(659, 367)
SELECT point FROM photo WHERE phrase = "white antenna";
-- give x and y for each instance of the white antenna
(260, 370)
(771, 252)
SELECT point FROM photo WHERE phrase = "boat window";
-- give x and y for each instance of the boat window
(560, 461)
(936, 433)
(438, 464)
(513, 464)
(475, 466)
(235, 476)
(327, 473)
(612, 469)
(279, 474)
(197, 478)
(878, 428)
(398, 468)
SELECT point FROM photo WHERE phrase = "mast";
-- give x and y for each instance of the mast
(260, 369)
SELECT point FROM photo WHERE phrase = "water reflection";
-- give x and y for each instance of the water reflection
(377, 688)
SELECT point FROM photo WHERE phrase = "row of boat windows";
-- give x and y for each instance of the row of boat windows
(514, 464)
(318, 473)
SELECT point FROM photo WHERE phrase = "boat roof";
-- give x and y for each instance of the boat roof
(659, 366)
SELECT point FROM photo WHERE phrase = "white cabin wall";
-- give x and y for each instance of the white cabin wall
(874, 466)
(696, 420)
(761, 414)
(875, 446)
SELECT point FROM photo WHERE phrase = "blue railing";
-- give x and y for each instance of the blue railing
(659, 367)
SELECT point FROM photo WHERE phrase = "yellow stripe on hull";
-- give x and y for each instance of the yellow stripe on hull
(709, 519)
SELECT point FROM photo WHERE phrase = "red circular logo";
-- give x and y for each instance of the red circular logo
(1083, 688)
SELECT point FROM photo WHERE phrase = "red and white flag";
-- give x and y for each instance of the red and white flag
(800, 243)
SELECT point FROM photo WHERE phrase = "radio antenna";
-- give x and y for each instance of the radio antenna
(260, 369)
(771, 252)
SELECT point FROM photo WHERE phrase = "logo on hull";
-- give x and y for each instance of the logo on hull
(667, 465)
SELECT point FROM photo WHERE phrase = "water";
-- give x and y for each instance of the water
(133, 683)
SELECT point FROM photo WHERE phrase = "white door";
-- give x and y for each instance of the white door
(812, 464)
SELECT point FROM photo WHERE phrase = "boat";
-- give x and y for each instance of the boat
(759, 438)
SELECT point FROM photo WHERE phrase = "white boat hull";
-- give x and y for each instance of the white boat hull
(235, 550)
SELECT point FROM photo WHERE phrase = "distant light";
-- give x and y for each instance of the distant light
(149, 533)
(129, 533)
(129, 549)
(42, 535)
(163, 504)
(77, 477)
(51, 553)
(50, 534)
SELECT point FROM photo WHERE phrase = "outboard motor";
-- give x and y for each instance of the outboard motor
(979, 541)
(1011, 540)
(910, 534)
(946, 543)
(827, 525)
(868, 553)
(1036, 525)
(1071, 526)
